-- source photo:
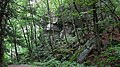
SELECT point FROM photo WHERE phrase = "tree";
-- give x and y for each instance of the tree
(3, 17)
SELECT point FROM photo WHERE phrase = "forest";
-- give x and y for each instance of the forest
(59, 33)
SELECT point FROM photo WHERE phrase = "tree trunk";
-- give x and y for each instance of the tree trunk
(48, 8)
(33, 26)
(15, 44)
(3, 5)
(95, 20)
(25, 37)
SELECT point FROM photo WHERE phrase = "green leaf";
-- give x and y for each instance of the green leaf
(117, 10)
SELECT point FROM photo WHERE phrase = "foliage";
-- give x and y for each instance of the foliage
(41, 53)
(117, 10)
(56, 63)
(27, 41)
(110, 57)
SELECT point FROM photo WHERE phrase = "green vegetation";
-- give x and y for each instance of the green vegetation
(60, 33)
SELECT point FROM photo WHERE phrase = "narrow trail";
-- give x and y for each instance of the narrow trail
(21, 66)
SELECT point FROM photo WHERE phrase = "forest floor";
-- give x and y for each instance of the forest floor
(22, 65)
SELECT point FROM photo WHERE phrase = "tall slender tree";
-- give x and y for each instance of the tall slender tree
(3, 5)
(49, 13)
(95, 20)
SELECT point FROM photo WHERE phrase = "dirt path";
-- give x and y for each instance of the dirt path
(21, 66)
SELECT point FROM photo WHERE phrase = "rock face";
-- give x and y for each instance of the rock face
(21, 66)
(52, 27)
(67, 29)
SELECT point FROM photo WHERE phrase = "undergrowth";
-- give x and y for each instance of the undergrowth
(57, 63)
(110, 57)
